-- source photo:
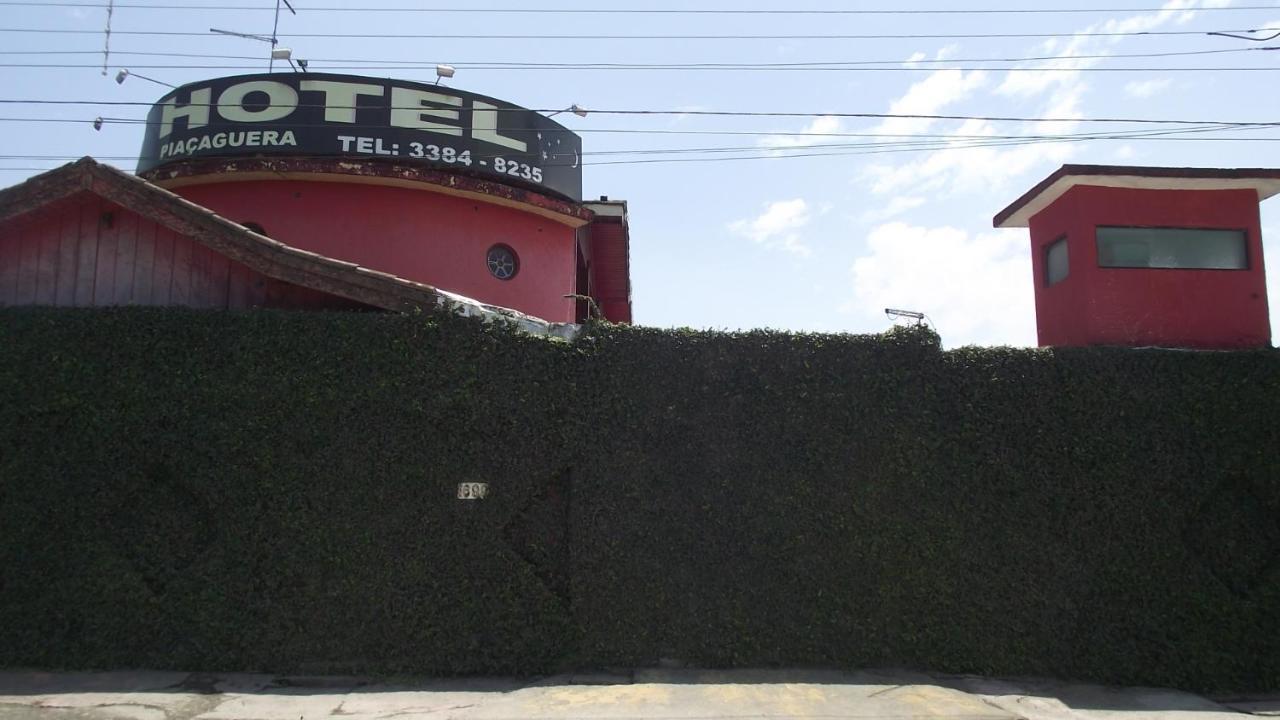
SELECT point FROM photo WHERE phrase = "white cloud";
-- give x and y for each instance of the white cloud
(915, 59)
(1146, 88)
(947, 52)
(1058, 93)
(964, 167)
(1064, 69)
(684, 114)
(778, 226)
(975, 289)
(810, 134)
(929, 97)
(895, 207)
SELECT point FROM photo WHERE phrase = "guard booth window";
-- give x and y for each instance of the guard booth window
(1056, 266)
(1184, 248)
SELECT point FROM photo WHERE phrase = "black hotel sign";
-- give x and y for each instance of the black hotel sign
(343, 115)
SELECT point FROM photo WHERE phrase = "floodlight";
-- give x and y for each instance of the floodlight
(125, 73)
(575, 108)
(895, 314)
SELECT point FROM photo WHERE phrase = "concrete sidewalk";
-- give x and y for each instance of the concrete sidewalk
(665, 694)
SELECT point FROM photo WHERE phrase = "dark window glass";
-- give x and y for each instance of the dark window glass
(502, 261)
(1056, 267)
(1129, 247)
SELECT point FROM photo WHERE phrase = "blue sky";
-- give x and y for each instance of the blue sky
(804, 243)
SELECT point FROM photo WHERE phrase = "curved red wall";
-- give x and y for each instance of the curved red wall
(417, 234)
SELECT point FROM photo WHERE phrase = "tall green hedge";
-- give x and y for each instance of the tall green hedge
(276, 491)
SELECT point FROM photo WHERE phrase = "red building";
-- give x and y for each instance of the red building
(427, 186)
(1144, 256)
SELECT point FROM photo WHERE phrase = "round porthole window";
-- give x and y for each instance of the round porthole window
(502, 261)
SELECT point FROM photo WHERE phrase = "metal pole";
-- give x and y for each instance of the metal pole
(271, 64)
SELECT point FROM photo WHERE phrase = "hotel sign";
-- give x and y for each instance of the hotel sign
(310, 114)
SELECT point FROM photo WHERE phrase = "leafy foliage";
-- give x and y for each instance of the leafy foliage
(276, 491)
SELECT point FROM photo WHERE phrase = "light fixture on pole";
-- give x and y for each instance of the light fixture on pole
(444, 71)
(895, 314)
(282, 53)
(125, 74)
(575, 108)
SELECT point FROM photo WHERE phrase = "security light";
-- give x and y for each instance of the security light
(281, 53)
(575, 108)
(125, 73)
(444, 71)
(895, 314)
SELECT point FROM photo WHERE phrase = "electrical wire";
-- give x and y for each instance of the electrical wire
(650, 11)
(727, 113)
(456, 36)
(583, 68)
(468, 64)
(936, 142)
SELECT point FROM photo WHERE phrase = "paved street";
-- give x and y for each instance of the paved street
(665, 694)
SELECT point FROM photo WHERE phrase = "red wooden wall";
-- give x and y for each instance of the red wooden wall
(86, 251)
(610, 269)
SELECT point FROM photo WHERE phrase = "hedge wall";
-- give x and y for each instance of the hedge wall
(276, 491)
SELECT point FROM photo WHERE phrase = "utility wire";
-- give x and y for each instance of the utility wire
(455, 36)
(673, 65)
(912, 137)
(722, 113)
(771, 154)
(937, 141)
(654, 11)
(1116, 134)
(588, 68)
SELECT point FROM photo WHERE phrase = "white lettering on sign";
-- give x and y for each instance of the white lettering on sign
(228, 139)
(282, 101)
(484, 126)
(408, 107)
(473, 491)
(340, 97)
(196, 111)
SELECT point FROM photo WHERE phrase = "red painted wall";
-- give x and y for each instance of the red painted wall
(1138, 306)
(420, 235)
(610, 269)
(88, 252)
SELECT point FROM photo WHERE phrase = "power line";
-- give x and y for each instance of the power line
(1117, 134)
(589, 68)
(769, 153)
(455, 36)
(469, 64)
(656, 11)
(916, 137)
(722, 113)
(922, 142)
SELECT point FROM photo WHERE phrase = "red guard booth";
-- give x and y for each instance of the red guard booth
(1145, 256)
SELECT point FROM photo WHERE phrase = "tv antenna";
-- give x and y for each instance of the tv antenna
(274, 39)
(106, 43)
